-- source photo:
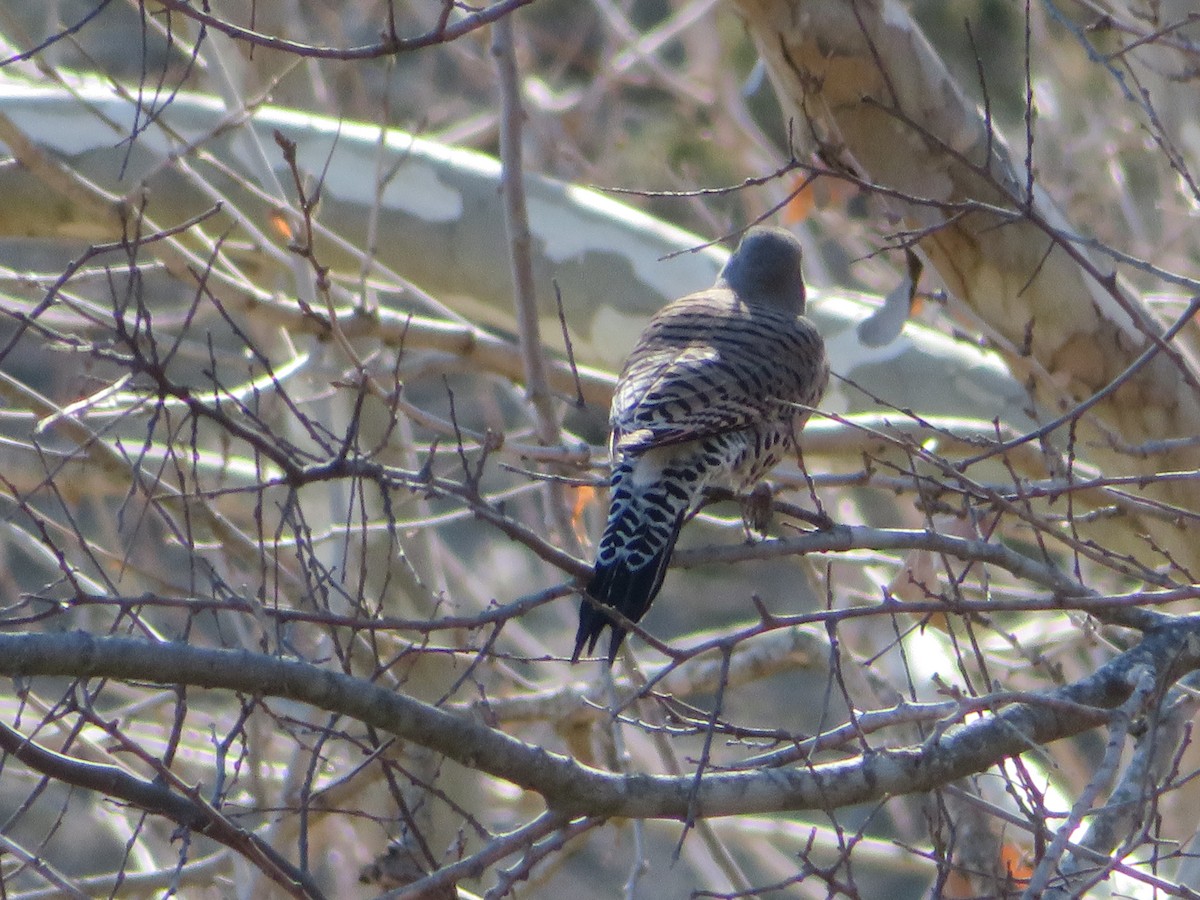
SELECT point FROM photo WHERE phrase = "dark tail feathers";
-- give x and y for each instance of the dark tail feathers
(629, 591)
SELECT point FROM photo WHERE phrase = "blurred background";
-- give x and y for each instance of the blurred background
(241, 245)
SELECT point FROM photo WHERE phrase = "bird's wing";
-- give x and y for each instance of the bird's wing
(707, 365)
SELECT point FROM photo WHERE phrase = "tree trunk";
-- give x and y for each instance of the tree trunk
(867, 94)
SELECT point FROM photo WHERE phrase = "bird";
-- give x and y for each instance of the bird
(713, 395)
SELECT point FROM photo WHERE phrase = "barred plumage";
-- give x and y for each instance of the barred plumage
(714, 394)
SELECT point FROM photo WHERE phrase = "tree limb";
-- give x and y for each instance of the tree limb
(574, 789)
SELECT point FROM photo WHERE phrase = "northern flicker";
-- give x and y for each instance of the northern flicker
(714, 394)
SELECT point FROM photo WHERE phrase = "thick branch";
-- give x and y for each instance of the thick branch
(843, 538)
(571, 788)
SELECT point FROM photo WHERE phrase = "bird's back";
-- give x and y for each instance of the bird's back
(709, 364)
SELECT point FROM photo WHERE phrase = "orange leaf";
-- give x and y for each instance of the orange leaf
(797, 209)
(1016, 863)
(280, 223)
(585, 495)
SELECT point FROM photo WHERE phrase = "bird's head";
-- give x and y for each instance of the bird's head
(765, 269)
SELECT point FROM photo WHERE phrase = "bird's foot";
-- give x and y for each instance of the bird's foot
(756, 509)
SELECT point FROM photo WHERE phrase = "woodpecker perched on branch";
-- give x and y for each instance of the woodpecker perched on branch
(714, 395)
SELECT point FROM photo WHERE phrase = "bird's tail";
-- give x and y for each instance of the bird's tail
(631, 562)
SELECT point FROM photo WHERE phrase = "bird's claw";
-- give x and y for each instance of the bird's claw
(756, 509)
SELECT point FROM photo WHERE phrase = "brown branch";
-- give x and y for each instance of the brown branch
(155, 798)
(504, 845)
(390, 44)
(842, 538)
(574, 789)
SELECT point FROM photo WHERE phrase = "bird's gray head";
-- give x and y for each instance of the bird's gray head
(765, 269)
